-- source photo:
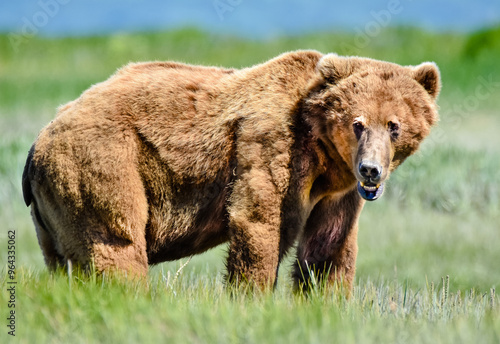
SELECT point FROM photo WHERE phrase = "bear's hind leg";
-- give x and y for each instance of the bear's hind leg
(102, 230)
(90, 241)
(89, 193)
(53, 259)
(114, 240)
(129, 260)
(115, 255)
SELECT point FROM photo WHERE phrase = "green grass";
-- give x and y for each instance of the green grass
(197, 309)
(439, 216)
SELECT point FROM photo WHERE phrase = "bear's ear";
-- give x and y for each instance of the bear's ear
(427, 75)
(334, 68)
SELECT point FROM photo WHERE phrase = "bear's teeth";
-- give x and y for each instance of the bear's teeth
(369, 188)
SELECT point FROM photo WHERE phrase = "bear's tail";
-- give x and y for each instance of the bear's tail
(27, 194)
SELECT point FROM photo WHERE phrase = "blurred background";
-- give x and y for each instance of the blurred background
(441, 211)
(251, 19)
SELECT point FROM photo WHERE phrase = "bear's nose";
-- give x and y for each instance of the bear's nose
(370, 170)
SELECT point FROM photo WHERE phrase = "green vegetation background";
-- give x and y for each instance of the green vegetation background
(440, 215)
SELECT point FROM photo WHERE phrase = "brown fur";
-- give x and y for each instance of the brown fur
(166, 160)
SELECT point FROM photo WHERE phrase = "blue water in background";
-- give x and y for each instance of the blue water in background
(248, 18)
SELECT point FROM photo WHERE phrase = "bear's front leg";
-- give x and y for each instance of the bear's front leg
(254, 222)
(328, 247)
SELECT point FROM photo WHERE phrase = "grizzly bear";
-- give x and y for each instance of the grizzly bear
(166, 160)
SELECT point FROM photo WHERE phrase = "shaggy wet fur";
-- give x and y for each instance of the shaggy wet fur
(166, 160)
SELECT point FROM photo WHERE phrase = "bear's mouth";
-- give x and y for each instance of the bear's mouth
(370, 191)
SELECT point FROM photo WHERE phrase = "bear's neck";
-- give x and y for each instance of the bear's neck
(316, 172)
(320, 169)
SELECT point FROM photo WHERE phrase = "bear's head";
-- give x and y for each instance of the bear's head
(374, 114)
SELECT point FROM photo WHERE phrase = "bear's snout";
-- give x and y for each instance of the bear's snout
(370, 171)
(370, 184)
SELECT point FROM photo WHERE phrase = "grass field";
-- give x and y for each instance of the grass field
(440, 215)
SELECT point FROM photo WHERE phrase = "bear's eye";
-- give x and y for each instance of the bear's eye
(358, 128)
(393, 129)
